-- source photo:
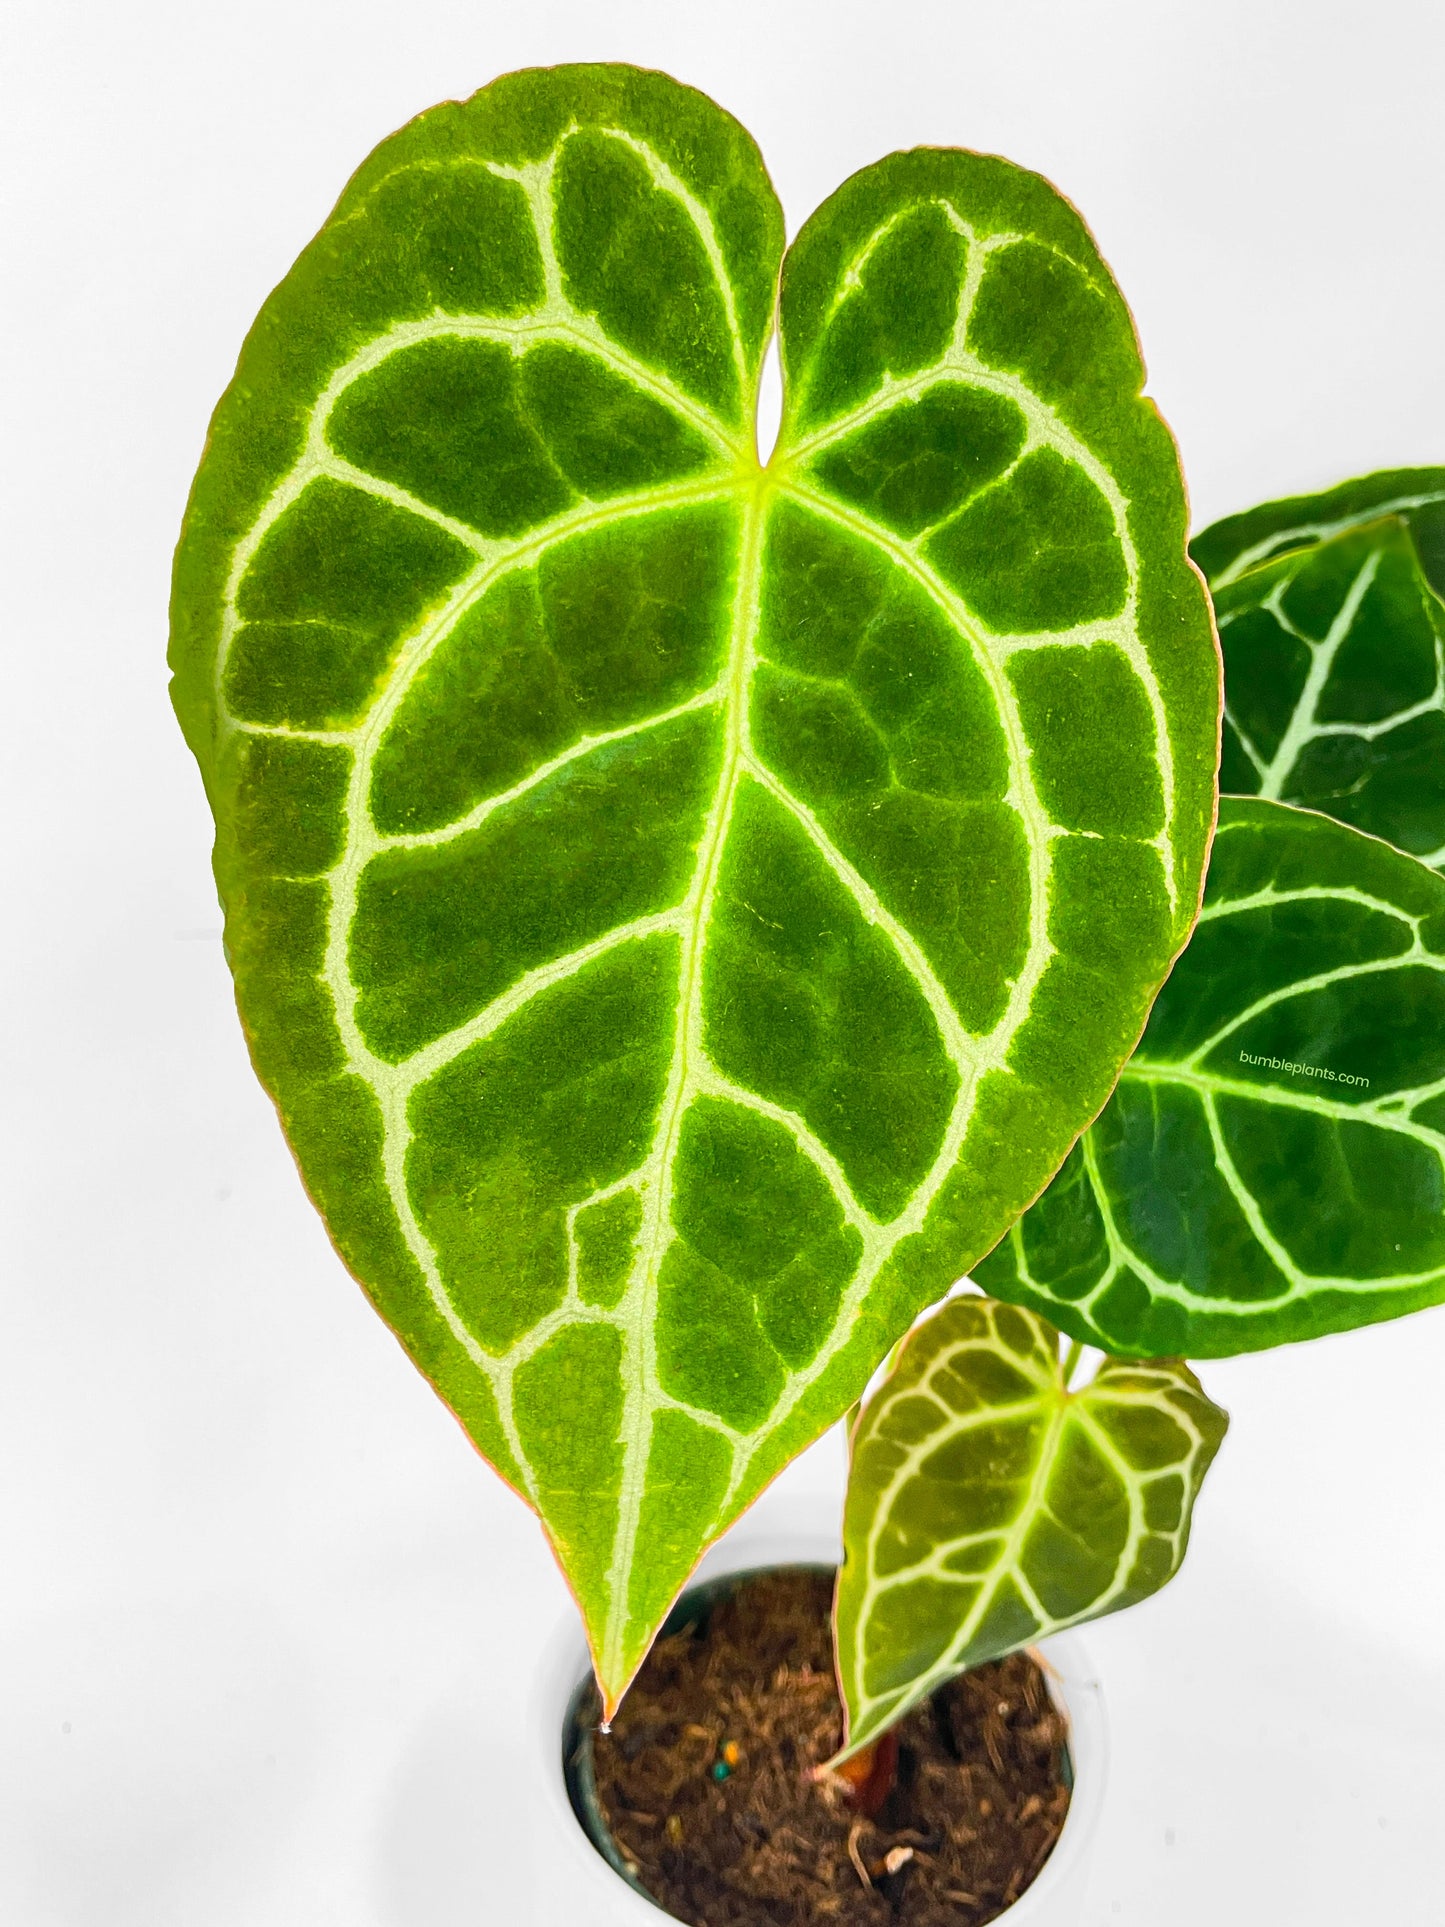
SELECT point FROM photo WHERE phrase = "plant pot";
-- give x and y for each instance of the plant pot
(573, 1883)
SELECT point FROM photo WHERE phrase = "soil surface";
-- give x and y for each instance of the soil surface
(975, 1808)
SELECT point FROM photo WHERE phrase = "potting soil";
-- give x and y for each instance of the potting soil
(706, 1779)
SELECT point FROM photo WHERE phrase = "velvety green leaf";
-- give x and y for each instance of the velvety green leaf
(1333, 628)
(989, 1505)
(676, 903)
(1272, 1164)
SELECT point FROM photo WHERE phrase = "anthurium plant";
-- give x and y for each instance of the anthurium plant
(691, 910)
(1270, 1166)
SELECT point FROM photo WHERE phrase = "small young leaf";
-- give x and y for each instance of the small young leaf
(1272, 1164)
(1333, 629)
(989, 1505)
(684, 910)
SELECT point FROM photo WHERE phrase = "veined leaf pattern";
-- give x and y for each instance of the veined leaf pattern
(1231, 547)
(990, 1505)
(1333, 630)
(1272, 1164)
(676, 904)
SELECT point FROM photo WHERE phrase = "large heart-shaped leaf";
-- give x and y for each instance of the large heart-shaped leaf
(684, 909)
(1333, 629)
(1272, 1165)
(988, 1504)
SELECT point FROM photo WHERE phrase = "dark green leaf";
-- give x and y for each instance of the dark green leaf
(1228, 549)
(1272, 1164)
(1333, 628)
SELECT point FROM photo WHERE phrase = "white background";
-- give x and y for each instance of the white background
(265, 1622)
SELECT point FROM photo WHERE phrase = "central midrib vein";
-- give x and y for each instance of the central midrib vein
(1301, 726)
(1008, 1563)
(639, 1366)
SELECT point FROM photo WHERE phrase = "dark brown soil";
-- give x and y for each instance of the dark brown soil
(976, 1806)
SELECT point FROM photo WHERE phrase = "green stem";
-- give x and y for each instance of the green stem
(1071, 1360)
